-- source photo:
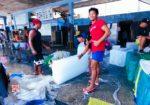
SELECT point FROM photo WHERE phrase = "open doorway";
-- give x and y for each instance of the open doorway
(124, 35)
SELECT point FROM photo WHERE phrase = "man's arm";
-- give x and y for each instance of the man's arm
(31, 36)
(106, 34)
(45, 46)
(84, 51)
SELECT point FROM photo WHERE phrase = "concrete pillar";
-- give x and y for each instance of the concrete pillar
(14, 21)
(71, 23)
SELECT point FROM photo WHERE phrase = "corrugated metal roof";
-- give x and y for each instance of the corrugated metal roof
(9, 6)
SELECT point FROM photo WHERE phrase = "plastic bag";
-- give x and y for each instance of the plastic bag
(32, 87)
(35, 94)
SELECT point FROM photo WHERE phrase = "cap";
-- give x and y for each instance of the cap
(77, 33)
(83, 35)
(36, 21)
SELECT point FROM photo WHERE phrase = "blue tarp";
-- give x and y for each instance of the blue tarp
(143, 89)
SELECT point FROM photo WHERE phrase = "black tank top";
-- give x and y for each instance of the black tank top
(37, 42)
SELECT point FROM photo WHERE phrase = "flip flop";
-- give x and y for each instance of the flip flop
(96, 83)
(88, 91)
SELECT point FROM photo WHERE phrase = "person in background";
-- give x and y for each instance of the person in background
(26, 34)
(16, 37)
(3, 40)
(83, 44)
(2, 36)
(143, 35)
(76, 42)
(26, 37)
(36, 45)
(17, 49)
(99, 33)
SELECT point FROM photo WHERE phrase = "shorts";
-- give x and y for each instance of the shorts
(38, 59)
(98, 56)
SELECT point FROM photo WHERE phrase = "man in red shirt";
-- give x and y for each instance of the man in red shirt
(99, 33)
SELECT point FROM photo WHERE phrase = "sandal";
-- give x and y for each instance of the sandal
(96, 83)
(88, 91)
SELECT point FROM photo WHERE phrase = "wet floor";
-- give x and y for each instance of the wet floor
(71, 92)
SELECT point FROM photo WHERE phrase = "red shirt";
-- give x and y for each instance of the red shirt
(96, 33)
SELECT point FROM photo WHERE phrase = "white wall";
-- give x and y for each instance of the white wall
(144, 7)
(118, 7)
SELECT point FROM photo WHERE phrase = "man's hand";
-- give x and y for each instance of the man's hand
(47, 48)
(34, 52)
(96, 43)
(80, 56)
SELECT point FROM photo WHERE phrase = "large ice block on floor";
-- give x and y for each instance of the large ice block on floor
(118, 56)
(68, 68)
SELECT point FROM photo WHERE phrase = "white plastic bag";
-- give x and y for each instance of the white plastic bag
(36, 94)
(60, 55)
(32, 87)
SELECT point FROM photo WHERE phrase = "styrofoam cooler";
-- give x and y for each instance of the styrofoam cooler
(118, 56)
(70, 67)
(131, 45)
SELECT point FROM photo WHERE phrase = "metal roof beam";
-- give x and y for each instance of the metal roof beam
(146, 2)
(55, 4)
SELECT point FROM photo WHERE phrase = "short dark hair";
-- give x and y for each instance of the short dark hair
(145, 20)
(25, 28)
(95, 10)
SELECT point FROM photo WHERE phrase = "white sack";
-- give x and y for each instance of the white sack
(32, 87)
(36, 94)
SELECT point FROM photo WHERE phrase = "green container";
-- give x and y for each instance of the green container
(145, 56)
(132, 70)
(48, 59)
(132, 62)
